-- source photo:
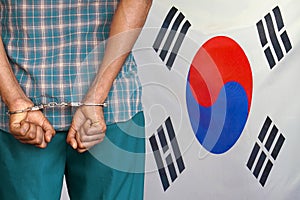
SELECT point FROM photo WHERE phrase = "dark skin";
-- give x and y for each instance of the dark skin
(88, 126)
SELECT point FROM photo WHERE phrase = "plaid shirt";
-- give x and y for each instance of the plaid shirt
(55, 48)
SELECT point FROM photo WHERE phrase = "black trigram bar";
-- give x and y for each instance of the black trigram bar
(253, 156)
(266, 173)
(271, 138)
(169, 31)
(259, 164)
(270, 34)
(167, 149)
(265, 151)
(277, 146)
(175, 145)
(264, 129)
(159, 162)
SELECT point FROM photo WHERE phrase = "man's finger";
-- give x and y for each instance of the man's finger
(82, 130)
(88, 145)
(19, 129)
(40, 139)
(71, 138)
(90, 138)
(94, 128)
(78, 140)
(48, 129)
(29, 135)
(82, 150)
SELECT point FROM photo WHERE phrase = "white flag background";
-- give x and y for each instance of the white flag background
(246, 147)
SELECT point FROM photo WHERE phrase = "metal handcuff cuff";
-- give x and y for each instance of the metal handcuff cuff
(55, 105)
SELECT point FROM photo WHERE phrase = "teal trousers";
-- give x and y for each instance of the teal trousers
(113, 169)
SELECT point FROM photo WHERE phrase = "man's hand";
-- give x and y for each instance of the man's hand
(87, 129)
(88, 126)
(31, 128)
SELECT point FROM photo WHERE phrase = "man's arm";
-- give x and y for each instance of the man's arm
(28, 127)
(11, 92)
(127, 23)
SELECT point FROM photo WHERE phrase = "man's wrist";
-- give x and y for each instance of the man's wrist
(19, 103)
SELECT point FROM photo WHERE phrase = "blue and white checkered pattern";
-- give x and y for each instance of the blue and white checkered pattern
(54, 47)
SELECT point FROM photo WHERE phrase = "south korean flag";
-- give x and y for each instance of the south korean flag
(220, 96)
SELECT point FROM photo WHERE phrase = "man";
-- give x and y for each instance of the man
(44, 45)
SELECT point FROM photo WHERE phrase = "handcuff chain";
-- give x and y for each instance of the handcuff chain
(55, 105)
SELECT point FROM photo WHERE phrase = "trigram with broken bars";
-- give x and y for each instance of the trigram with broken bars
(167, 154)
(273, 37)
(265, 151)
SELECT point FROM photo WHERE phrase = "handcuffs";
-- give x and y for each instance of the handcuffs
(55, 105)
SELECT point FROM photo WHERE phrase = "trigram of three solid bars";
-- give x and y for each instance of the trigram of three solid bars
(167, 154)
(171, 36)
(265, 151)
(273, 37)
